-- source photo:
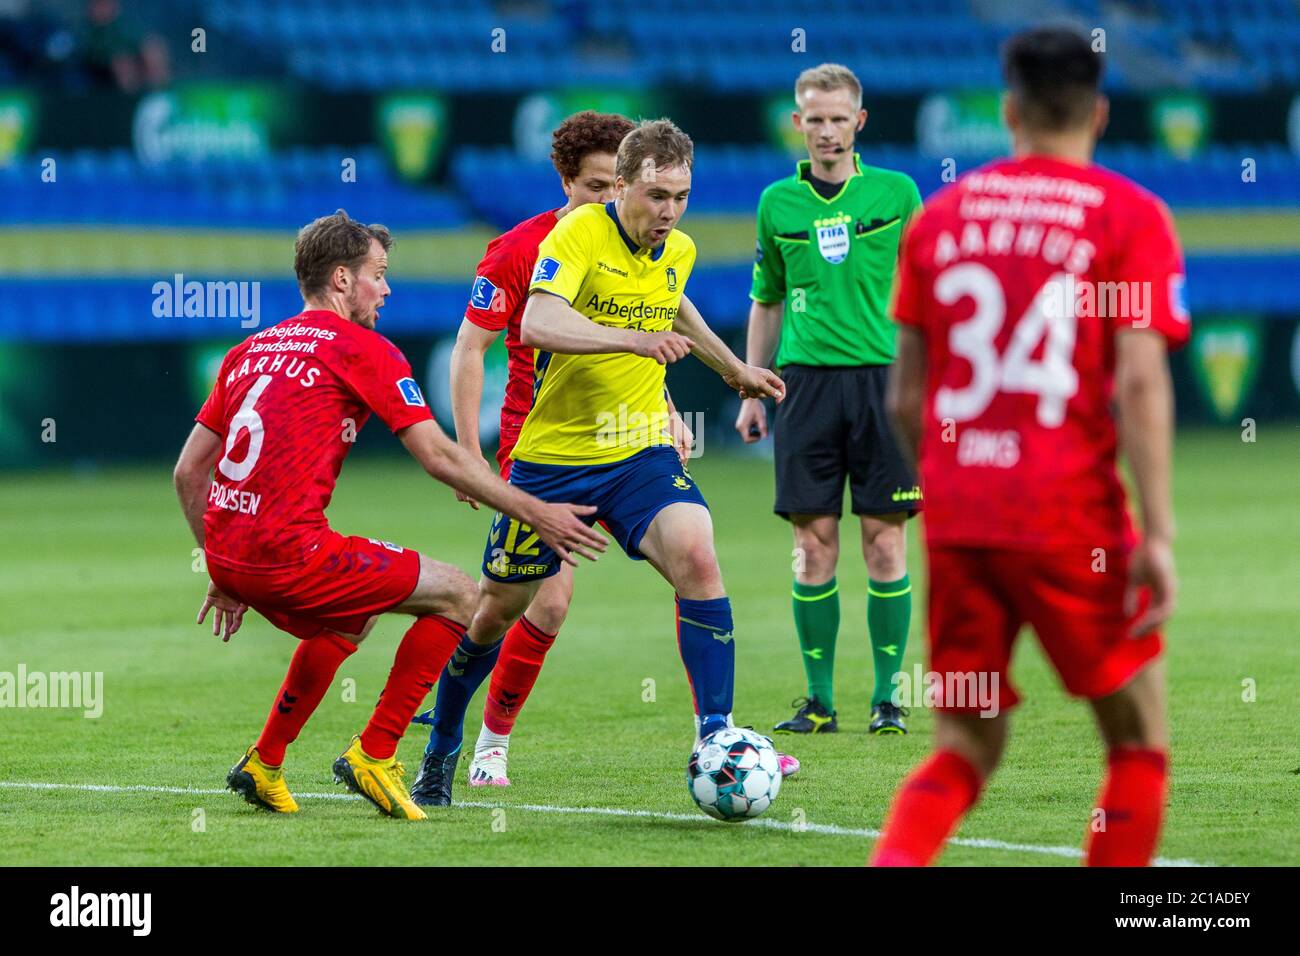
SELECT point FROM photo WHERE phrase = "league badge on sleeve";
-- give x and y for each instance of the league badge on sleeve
(482, 294)
(1177, 297)
(410, 390)
(545, 270)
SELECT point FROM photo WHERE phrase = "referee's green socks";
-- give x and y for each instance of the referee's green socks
(889, 612)
(817, 622)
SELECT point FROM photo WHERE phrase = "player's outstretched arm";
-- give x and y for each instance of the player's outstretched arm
(556, 524)
(552, 325)
(905, 398)
(762, 334)
(467, 390)
(749, 380)
(1144, 400)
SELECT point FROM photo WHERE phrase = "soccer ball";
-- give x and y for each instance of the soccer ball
(734, 774)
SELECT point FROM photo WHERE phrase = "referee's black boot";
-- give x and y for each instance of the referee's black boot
(886, 718)
(809, 718)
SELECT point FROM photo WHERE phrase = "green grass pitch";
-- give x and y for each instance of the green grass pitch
(95, 575)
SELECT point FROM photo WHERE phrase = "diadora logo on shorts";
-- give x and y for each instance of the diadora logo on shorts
(910, 494)
(671, 275)
(410, 390)
(482, 294)
(546, 269)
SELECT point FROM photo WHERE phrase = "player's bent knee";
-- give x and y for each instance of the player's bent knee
(499, 606)
(548, 611)
(697, 573)
(980, 740)
(1134, 715)
(443, 590)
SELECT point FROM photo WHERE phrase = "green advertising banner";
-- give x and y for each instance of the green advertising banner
(412, 127)
(962, 124)
(212, 121)
(780, 129)
(1225, 362)
(536, 115)
(1180, 122)
(17, 123)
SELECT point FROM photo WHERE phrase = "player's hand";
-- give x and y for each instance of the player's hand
(560, 526)
(753, 382)
(227, 613)
(683, 438)
(1151, 565)
(752, 420)
(461, 496)
(664, 347)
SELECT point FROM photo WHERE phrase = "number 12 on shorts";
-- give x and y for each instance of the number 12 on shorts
(527, 548)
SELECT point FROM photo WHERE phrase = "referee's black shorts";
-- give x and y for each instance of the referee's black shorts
(831, 426)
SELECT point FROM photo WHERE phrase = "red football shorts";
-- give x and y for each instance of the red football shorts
(345, 583)
(979, 598)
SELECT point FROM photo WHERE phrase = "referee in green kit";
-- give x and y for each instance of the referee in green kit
(828, 240)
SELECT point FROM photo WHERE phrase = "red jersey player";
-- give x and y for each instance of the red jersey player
(254, 480)
(583, 150)
(1033, 294)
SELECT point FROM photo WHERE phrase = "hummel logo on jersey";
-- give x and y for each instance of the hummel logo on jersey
(482, 294)
(410, 390)
(545, 270)
(671, 275)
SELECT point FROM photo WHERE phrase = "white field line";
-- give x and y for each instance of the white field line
(826, 829)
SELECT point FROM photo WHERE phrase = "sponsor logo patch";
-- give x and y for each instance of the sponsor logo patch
(545, 269)
(833, 242)
(481, 296)
(411, 393)
(1177, 297)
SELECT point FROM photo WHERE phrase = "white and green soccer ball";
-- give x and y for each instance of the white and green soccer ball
(734, 775)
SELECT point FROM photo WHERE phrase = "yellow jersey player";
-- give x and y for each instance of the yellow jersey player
(606, 314)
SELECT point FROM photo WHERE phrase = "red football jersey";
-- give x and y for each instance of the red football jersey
(288, 403)
(497, 302)
(1019, 275)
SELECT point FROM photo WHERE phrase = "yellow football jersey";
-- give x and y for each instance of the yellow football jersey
(597, 409)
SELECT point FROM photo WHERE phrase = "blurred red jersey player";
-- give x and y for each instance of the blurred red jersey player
(1033, 294)
(254, 480)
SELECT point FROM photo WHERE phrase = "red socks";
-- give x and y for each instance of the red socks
(522, 653)
(311, 672)
(927, 808)
(1132, 802)
(423, 653)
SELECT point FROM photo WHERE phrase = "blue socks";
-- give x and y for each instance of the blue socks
(709, 653)
(470, 664)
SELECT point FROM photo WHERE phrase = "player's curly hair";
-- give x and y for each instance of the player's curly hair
(332, 241)
(585, 133)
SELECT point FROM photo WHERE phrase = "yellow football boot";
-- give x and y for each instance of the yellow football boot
(260, 785)
(379, 781)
